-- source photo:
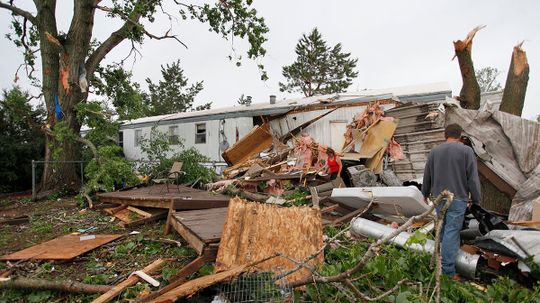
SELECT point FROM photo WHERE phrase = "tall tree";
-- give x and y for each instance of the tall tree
(172, 94)
(68, 62)
(487, 79)
(318, 69)
(244, 100)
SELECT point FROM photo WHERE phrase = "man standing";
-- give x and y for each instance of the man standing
(452, 166)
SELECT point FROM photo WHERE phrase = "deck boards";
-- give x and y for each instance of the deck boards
(200, 227)
(157, 196)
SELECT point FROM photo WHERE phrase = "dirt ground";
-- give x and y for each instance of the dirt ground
(108, 264)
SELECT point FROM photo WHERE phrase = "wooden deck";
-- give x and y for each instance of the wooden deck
(185, 198)
(200, 228)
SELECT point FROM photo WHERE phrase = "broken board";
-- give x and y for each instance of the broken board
(62, 248)
(257, 140)
(200, 228)
(254, 231)
(157, 196)
(130, 218)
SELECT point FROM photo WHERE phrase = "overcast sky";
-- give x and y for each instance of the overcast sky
(397, 43)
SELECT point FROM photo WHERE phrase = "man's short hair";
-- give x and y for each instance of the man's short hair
(453, 131)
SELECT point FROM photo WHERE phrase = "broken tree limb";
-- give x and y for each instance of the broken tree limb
(516, 83)
(41, 284)
(372, 250)
(132, 280)
(469, 96)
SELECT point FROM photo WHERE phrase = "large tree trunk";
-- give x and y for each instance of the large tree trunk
(516, 83)
(469, 97)
(61, 61)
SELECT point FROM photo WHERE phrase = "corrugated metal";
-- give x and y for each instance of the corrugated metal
(424, 92)
(509, 146)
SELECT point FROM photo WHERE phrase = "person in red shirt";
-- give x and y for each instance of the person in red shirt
(333, 165)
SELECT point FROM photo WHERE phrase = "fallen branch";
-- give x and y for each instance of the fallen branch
(130, 281)
(437, 252)
(328, 242)
(41, 284)
(373, 248)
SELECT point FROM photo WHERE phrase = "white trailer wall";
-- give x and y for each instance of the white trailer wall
(186, 133)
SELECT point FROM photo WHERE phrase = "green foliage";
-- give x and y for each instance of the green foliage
(487, 79)
(172, 94)
(114, 83)
(157, 150)
(191, 159)
(21, 138)
(318, 69)
(298, 197)
(111, 170)
(393, 264)
(244, 101)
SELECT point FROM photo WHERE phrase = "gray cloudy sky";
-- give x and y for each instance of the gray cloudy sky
(397, 43)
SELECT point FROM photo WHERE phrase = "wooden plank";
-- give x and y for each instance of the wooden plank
(155, 197)
(71, 247)
(191, 238)
(154, 217)
(140, 212)
(497, 181)
(208, 255)
(206, 224)
(130, 281)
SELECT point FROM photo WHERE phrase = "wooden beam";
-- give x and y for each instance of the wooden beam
(208, 255)
(497, 181)
(130, 281)
(139, 211)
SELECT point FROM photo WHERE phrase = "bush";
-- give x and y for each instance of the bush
(113, 172)
(22, 141)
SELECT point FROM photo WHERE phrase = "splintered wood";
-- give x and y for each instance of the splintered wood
(256, 231)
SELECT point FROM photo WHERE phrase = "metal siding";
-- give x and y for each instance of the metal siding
(186, 133)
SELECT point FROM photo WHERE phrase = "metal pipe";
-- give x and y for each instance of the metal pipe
(465, 262)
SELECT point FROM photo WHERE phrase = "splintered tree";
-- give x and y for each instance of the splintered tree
(319, 69)
(69, 60)
(469, 96)
(516, 82)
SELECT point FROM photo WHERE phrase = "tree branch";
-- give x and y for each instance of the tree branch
(373, 248)
(19, 12)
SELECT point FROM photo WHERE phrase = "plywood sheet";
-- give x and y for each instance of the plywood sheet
(377, 138)
(254, 231)
(62, 248)
(257, 140)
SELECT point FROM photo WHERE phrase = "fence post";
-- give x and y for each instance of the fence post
(34, 196)
(82, 175)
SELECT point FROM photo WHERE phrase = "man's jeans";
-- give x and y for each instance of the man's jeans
(450, 241)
